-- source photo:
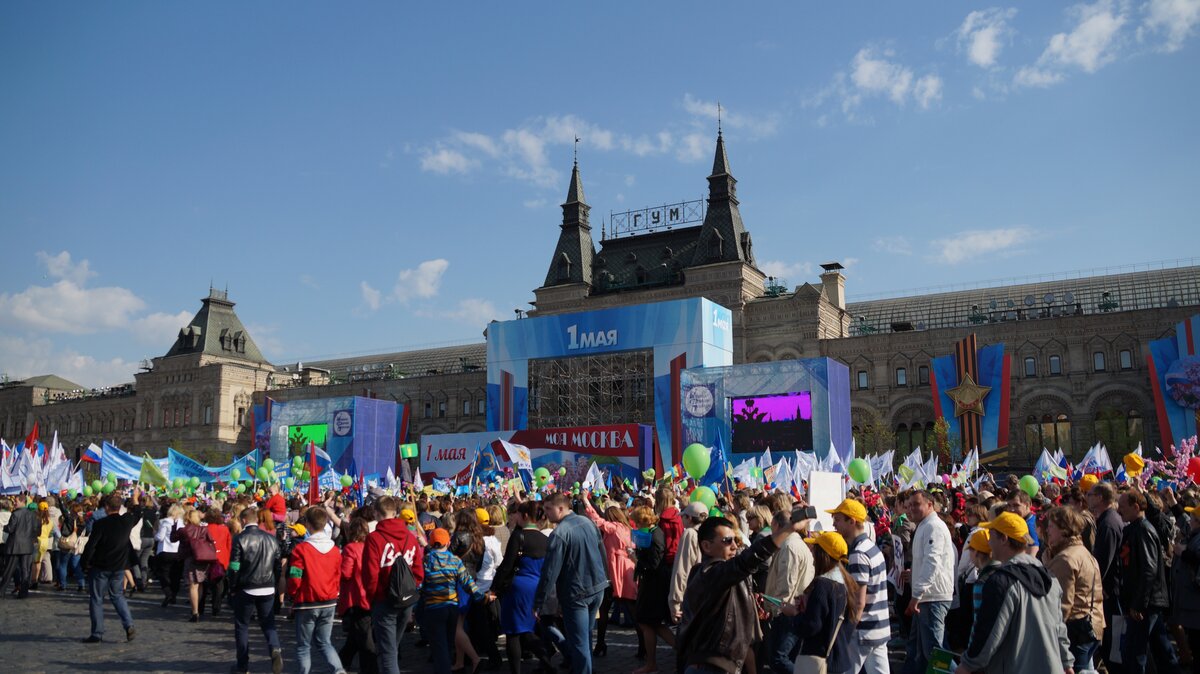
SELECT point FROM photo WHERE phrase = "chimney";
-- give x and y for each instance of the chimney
(834, 284)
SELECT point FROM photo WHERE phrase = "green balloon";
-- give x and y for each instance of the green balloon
(97, 485)
(241, 489)
(541, 476)
(108, 488)
(268, 464)
(71, 494)
(1029, 485)
(87, 490)
(860, 471)
(696, 460)
(703, 495)
(347, 480)
(194, 482)
(562, 471)
(305, 476)
(112, 477)
(177, 482)
(235, 474)
(291, 483)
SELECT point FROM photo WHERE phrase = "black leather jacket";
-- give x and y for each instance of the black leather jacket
(1143, 568)
(254, 561)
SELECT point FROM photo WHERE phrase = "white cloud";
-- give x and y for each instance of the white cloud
(693, 147)
(422, 282)
(371, 296)
(786, 270)
(983, 35)
(60, 267)
(445, 161)
(479, 141)
(160, 329)
(874, 74)
(1173, 19)
(68, 307)
(535, 203)
(896, 245)
(755, 126)
(630, 180)
(1092, 43)
(927, 91)
(969, 244)
(21, 358)
(474, 311)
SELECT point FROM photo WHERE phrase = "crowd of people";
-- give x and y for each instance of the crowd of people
(1077, 577)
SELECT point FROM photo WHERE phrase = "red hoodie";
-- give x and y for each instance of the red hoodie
(672, 528)
(315, 572)
(390, 541)
(353, 593)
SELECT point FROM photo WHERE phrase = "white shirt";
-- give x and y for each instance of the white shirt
(162, 537)
(933, 557)
(492, 556)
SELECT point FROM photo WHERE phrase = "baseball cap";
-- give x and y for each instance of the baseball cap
(979, 542)
(482, 516)
(1134, 464)
(696, 511)
(831, 542)
(1087, 482)
(1011, 525)
(852, 509)
(43, 506)
(408, 515)
(439, 537)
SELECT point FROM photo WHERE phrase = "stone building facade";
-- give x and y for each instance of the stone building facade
(1078, 345)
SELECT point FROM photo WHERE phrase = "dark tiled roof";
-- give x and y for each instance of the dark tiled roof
(52, 382)
(417, 363)
(661, 257)
(217, 331)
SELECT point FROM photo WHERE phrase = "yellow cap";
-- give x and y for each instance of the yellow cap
(1134, 464)
(300, 529)
(482, 516)
(831, 542)
(979, 542)
(1011, 525)
(852, 509)
(1191, 509)
(408, 515)
(43, 506)
(1087, 482)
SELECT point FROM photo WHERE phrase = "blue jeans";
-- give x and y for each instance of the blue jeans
(243, 605)
(579, 621)
(1083, 655)
(110, 583)
(387, 626)
(314, 626)
(1148, 634)
(780, 646)
(928, 632)
(438, 625)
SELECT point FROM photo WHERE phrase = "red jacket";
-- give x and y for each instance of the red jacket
(278, 507)
(224, 540)
(314, 572)
(353, 595)
(390, 541)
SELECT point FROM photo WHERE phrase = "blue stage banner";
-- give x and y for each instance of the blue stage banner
(125, 465)
(186, 467)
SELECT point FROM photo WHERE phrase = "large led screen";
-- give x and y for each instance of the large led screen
(781, 422)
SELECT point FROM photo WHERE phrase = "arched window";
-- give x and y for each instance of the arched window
(903, 439)
(1051, 431)
(1098, 361)
(1030, 367)
(1055, 365)
(901, 377)
(1119, 430)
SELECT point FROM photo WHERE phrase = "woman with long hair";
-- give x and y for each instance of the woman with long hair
(71, 550)
(467, 544)
(166, 553)
(353, 605)
(516, 582)
(43, 571)
(216, 584)
(196, 544)
(825, 627)
(622, 588)
(653, 575)
(1078, 575)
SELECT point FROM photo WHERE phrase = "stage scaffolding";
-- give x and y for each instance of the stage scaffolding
(613, 388)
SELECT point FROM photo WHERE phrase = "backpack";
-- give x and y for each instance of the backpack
(402, 585)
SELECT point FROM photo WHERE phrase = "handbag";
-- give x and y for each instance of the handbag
(815, 664)
(1079, 630)
(204, 550)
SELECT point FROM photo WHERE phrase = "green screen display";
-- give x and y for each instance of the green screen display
(300, 436)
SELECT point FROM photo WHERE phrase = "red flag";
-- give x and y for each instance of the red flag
(31, 440)
(314, 490)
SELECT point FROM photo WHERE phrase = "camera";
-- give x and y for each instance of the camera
(802, 514)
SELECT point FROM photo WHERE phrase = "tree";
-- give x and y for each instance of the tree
(943, 445)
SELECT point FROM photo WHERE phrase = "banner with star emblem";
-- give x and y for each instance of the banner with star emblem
(1174, 365)
(971, 391)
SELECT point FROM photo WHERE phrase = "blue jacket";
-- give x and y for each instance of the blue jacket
(574, 563)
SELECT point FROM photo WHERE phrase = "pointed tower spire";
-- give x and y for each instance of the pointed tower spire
(723, 237)
(572, 261)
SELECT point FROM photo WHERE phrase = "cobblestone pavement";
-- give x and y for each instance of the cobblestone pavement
(42, 634)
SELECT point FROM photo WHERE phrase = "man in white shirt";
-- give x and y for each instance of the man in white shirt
(932, 581)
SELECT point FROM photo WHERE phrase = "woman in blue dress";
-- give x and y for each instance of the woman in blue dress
(517, 580)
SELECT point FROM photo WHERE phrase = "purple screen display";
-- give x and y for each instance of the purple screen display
(777, 407)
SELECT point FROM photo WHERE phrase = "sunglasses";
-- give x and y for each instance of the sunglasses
(727, 540)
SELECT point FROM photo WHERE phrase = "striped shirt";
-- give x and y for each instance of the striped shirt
(868, 568)
(445, 574)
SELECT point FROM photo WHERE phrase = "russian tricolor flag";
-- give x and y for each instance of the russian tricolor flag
(93, 454)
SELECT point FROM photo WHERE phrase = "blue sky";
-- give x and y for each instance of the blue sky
(377, 176)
